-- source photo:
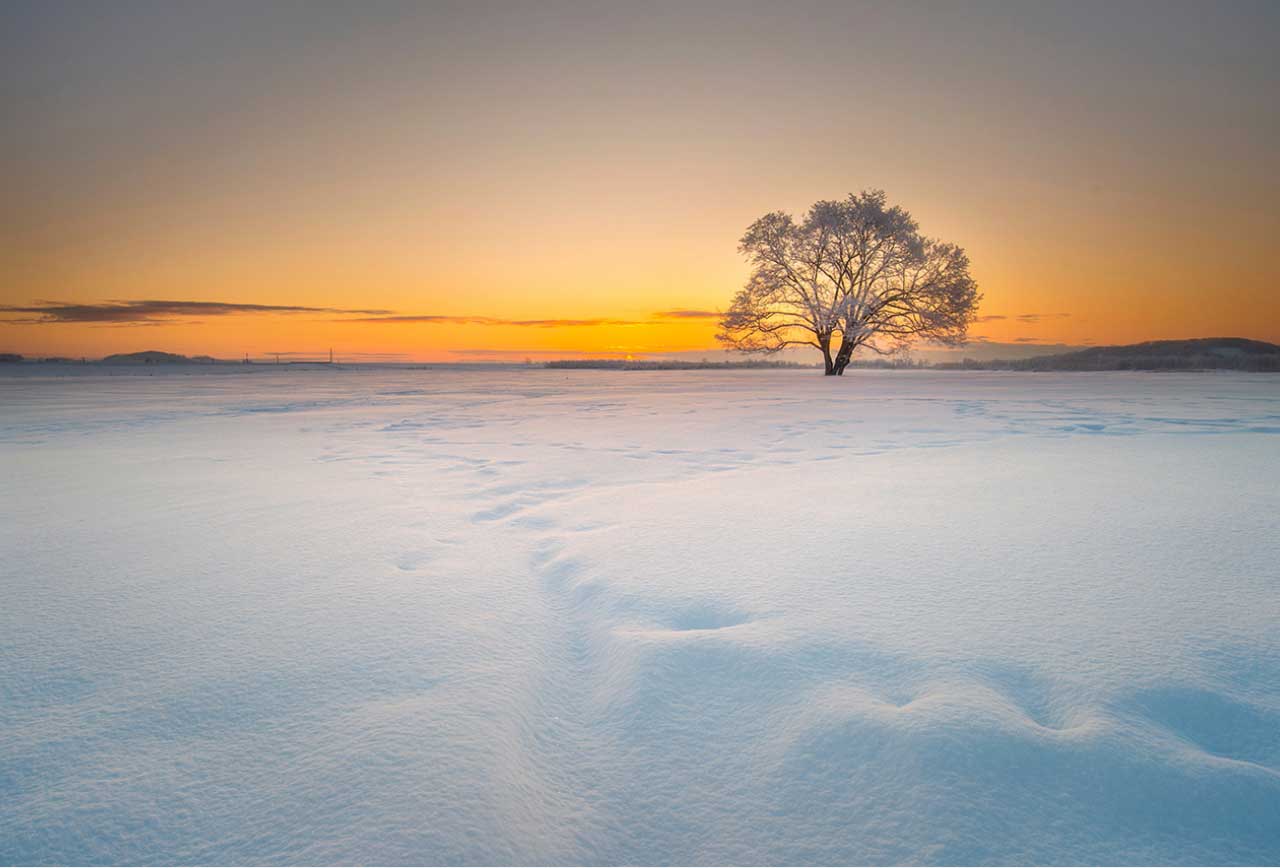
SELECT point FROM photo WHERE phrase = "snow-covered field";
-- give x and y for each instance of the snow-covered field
(532, 616)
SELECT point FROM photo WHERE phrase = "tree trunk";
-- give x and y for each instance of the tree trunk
(843, 356)
(828, 367)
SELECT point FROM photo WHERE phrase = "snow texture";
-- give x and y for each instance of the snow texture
(534, 616)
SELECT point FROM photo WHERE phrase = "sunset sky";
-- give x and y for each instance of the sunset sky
(460, 181)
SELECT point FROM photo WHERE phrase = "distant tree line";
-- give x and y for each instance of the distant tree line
(1202, 354)
(666, 364)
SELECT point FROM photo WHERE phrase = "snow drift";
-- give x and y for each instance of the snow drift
(388, 615)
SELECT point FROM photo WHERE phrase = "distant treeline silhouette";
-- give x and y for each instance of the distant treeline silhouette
(666, 364)
(1200, 354)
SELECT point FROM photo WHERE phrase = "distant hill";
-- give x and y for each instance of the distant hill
(1236, 354)
(155, 357)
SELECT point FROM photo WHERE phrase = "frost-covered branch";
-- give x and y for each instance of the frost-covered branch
(854, 273)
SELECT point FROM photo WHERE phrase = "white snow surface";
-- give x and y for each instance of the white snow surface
(390, 615)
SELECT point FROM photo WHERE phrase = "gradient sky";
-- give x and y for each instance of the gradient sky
(560, 178)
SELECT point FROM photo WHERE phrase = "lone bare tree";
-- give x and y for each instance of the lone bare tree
(854, 270)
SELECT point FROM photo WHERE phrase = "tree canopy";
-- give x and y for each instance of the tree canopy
(857, 270)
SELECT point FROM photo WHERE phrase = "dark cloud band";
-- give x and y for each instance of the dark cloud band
(152, 311)
(165, 311)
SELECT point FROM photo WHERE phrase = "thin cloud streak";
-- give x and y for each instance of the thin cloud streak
(1037, 317)
(150, 311)
(446, 319)
(441, 319)
(453, 319)
(1022, 317)
(687, 314)
(558, 323)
